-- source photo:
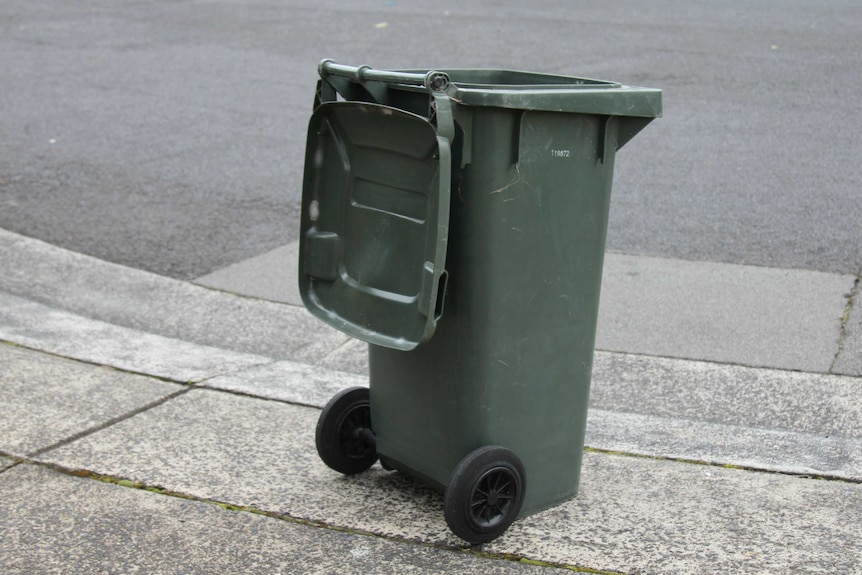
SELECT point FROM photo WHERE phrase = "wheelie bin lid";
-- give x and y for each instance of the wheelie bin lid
(374, 224)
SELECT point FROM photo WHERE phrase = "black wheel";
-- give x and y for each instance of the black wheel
(485, 494)
(345, 441)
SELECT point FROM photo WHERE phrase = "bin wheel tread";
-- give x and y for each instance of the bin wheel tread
(344, 437)
(485, 494)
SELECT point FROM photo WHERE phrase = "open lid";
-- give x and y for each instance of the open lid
(374, 225)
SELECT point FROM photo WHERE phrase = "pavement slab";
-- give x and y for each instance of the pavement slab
(728, 394)
(729, 313)
(54, 521)
(47, 400)
(251, 452)
(288, 381)
(245, 277)
(804, 454)
(6, 463)
(633, 514)
(351, 356)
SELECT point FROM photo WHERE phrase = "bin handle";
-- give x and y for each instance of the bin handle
(433, 80)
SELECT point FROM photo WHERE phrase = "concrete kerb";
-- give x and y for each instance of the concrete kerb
(154, 304)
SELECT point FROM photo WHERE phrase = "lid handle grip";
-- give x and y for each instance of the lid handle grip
(433, 81)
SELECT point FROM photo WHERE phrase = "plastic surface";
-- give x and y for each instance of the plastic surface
(375, 221)
(510, 359)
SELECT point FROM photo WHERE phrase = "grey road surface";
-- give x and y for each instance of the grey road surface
(168, 136)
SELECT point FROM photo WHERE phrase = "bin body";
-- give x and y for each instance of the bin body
(510, 361)
(509, 358)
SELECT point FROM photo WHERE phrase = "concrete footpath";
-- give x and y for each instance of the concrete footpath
(156, 426)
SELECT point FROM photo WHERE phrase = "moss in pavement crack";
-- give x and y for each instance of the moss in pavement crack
(842, 333)
(477, 551)
(723, 465)
(551, 564)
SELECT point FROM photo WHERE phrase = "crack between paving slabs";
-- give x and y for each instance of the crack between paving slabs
(476, 550)
(321, 362)
(113, 367)
(15, 459)
(752, 469)
(252, 395)
(726, 363)
(204, 384)
(111, 422)
(194, 383)
(851, 297)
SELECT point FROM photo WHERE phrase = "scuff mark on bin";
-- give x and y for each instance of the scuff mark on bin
(514, 181)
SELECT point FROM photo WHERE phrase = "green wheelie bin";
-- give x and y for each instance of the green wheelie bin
(455, 220)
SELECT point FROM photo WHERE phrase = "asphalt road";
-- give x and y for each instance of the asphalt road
(169, 136)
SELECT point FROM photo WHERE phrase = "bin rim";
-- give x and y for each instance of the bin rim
(530, 80)
(551, 92)
(513, 89)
